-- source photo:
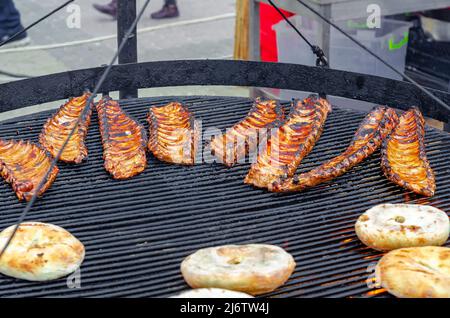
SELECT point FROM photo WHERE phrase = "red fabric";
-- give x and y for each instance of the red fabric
(268, 40)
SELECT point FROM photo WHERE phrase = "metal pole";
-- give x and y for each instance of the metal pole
(254, 40)
(126, 14)
(254, 30)
(325, 31)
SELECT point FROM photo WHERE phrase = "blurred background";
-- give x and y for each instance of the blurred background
(413, 35)
(57, 47)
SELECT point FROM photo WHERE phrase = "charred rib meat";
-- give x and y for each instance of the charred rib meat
(23, 165)
(57, 129)
(124, 140)
(291, 143)
(367, 139)
(242, 138)
(403, 157)
(173, 137)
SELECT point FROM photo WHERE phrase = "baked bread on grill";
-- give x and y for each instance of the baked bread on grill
(173, 135)
(23, 165)
(367, 139)
(124, 140)
(58, 127)
(403, 157)
(416, 272)
(293, 141)
(40, 252)
(212, 293)
(390, 226)
(254, 268)
(242, 138)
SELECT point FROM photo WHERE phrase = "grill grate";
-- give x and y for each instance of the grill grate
(137, 232)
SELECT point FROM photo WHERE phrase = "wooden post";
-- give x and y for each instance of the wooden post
(241, 36)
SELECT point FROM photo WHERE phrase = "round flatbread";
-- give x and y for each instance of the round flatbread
(212, 293)
(416, 272)
(253, 268)
(389, 226)
(40, 252)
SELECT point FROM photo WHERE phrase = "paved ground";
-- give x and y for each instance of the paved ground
(181, 38)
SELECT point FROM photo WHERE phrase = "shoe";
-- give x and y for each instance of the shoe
(110, 8)
(168, 11)
(21, 40)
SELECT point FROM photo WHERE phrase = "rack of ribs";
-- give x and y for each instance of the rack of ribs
(403, 157)
(242, 138)
(57, 129)
(367, 139)
(24, 165)
(173, 136)
(290, 143)
(124, 140)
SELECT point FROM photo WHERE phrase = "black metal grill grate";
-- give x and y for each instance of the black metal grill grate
(137, 232)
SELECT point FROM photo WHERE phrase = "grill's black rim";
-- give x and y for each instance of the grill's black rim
(374, 89)
(147, 226)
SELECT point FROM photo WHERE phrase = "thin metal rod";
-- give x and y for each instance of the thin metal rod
(83, 113)
(420, 87)
(290, 23)
(317, 50)
(35, 23)
(15, 75)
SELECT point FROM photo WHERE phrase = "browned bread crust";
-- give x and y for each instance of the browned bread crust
(416, 272)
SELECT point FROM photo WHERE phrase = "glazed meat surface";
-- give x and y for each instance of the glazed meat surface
(124, 140)
(403, 157)
(24, 165)
(367, 139)
(173, 137)
(291, 143)
(242, 138)
(58, 127)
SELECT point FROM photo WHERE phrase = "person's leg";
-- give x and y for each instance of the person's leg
(10, 24)
(169, 10)
(9, 18)
(110, 8)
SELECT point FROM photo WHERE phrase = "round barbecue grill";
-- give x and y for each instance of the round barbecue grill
(137, 231)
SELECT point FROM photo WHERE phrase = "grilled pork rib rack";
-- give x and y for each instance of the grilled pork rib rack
(291, 143)
(173, 137)
(403, 157)
(58, 127)
(367, 139)
(24, 165)
(124, 140)
(242, 138)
